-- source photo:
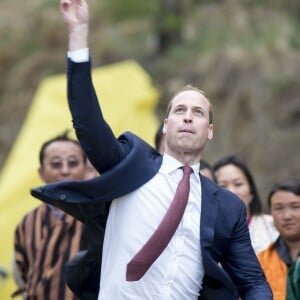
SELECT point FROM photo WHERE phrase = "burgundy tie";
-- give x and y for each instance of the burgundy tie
(142, 261)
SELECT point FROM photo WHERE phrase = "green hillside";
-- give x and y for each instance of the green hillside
(243, 54)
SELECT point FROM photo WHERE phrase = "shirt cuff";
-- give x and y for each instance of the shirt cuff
(80, 55)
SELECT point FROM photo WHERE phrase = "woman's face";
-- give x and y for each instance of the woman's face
(233, 178)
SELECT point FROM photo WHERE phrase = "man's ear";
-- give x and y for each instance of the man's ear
(164, 129)
(210, 132)
(41, 173)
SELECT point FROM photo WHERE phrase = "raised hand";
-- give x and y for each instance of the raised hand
(76, 16)
(74, 12)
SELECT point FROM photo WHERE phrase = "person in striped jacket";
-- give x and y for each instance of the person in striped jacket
(47, 238)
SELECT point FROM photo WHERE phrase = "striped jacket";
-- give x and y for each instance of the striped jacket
(45, 240)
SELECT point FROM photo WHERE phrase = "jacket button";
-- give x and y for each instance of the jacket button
(63, 197)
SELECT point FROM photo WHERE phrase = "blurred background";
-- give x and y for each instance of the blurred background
(244, 54)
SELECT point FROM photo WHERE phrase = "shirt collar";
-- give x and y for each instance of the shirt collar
(283, 251)
(170, 164)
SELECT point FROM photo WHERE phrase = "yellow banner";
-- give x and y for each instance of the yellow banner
(128, 100)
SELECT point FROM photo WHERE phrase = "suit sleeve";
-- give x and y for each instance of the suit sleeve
(93, 133)
(242, 265)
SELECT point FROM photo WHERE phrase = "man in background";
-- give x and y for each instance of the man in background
(46, 238)
(281, 260)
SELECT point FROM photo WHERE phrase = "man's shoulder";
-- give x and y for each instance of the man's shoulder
(41, 209)
(38, 211)
(267, 253)
(223, 195)
(140, 149)
(134, 140)
(270, 260)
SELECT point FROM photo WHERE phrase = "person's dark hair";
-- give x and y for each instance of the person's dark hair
(255, 206)
(205, 165)
(290, 184)
(190, 87)
(60, 138)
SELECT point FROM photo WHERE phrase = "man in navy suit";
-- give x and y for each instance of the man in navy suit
(209, 256)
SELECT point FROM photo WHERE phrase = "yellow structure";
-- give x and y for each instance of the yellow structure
(128, 100)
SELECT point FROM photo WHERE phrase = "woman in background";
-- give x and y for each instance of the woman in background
(233, 174)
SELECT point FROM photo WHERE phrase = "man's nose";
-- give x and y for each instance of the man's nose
(188, 117)
(65, 168)
(287, 213)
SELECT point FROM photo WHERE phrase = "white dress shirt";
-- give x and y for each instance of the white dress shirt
(178, 272)
(80, 55)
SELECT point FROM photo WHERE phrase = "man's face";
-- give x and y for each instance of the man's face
(63, 160)
(187, 127)
(285, 209)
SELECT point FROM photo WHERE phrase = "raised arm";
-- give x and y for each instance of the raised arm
(93, 133)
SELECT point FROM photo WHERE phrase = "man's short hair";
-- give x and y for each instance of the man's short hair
(63, 137)
(190, 87)
(290, 184)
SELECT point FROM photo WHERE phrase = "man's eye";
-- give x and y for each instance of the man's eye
(179, 110)
(73, 163)
(199, 113)
(56, 165)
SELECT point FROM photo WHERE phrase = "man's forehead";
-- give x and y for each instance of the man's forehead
(285, 196)
(63, 144)
(185, 97)
(58, 147)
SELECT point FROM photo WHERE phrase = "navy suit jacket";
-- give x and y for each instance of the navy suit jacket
(126, 163)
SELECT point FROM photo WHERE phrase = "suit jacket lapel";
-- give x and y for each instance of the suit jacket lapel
(209, 212)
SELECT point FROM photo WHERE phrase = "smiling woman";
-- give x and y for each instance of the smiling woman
(233, 174)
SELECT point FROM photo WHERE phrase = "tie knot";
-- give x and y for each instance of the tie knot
(187, 170)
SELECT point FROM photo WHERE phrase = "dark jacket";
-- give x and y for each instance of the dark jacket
(127, 163)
